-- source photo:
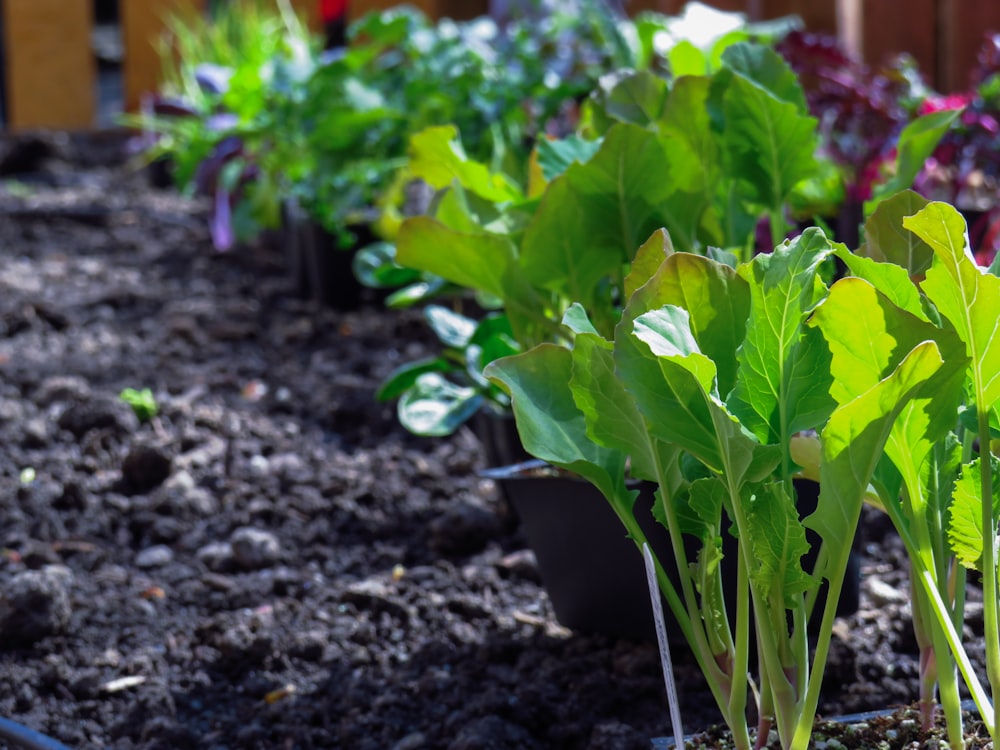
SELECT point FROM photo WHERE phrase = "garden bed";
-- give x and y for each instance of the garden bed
(273, 561)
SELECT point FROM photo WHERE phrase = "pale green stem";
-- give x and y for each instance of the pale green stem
(991, 617)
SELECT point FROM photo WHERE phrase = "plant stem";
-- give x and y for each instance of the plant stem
(990, 601)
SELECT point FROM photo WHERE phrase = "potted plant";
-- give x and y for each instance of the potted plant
(710, 386)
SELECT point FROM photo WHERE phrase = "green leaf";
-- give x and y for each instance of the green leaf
(473, 260)
(694, 157)
(648, 259)
(778, 541)
(766, 68)
(784, 367)
(963, 293)
(887, 241)
(965, 520)
(916, 143)
(716, 299)
(853, 440)
(435, 406)
(685, 59)
(576, 320)
(556, 156)
(612, 418)
(405, 377)
(770, 143)
(375, 266)
(437, 157)
(637, 98)
(451, 328)
(855, 312)
(550, 424)
(592, 220)
(889, 279)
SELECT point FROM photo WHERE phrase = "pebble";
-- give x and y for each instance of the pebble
(254, 549)
(154, 557)
(217, 556)
(491, 733)
(35, 604)
(463, 529)
(881, 593)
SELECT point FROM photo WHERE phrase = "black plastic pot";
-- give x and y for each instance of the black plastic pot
(18, 735)
(593, 573)
(320, 269)
(497, 433)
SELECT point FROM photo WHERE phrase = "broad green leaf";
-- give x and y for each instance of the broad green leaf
(770, 144)
(437, 157)
(855, 312)
(613, 420)
(473, 260)
(451, 328)
(403, 378)
(577, 320)
(888, 278)
(656, 357)
(965, 522)
(693, 154)
(766, 68)
(853, 440)
(435, 406)
(717, 301)
(686, 59)
(592, 220)
(916, 143)
(777, 539)
(556, 156)
(637, 98)
(670, 391)
(963, 293)
(887, 241)
(784, 367)
(550, 424)
(648, 259)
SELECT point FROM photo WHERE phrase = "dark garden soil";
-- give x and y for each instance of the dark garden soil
(272, 562)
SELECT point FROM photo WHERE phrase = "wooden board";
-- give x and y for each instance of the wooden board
(965, 24)
(51, 71)
(144, 23)
(876, 30)
(457, 9)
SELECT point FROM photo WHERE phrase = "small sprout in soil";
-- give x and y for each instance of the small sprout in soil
(27, 475)
(143, 402)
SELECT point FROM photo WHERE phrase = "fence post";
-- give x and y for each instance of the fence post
(964, 25)
(144, 24)
(875, 30)
(50, 67)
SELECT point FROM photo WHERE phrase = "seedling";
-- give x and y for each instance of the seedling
(143, 403)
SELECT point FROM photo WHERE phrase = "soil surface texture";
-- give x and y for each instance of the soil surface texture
(272, 561)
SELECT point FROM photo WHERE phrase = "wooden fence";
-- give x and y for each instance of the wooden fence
(51, 79)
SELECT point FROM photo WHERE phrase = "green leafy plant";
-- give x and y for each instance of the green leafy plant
(712, 378)
(938, 479)
(143, 403)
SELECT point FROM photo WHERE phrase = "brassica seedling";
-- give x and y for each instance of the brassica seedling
(710, 374)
